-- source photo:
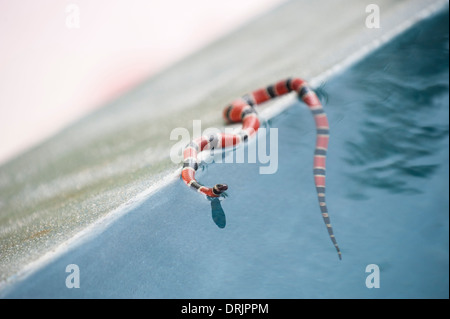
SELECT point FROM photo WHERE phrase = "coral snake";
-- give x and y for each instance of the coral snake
(243, 110)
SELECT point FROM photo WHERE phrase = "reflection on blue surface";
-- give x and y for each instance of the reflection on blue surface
(387, 186)
(218, 215)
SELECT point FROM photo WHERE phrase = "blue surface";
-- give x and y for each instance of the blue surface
(387, 193)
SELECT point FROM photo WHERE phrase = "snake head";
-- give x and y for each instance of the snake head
(219, 188)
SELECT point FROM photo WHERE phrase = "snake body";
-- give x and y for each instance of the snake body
(243, 110)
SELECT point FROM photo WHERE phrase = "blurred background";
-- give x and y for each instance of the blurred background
(60, 60)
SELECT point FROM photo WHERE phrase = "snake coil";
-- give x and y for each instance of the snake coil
(243, 110)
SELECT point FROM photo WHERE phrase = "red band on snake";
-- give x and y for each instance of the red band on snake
(243, 110)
